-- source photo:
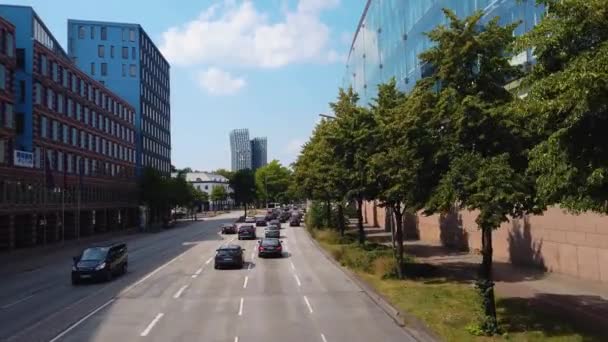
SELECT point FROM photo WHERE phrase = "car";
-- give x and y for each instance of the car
(269, 217)
(100, 263)
(272, 231)
(260, 221)
(229, 256)
(250, 219)
(247, 232)
(284, 217)
(229, 228)
(270, 247)
(294, 222)
(276, 223)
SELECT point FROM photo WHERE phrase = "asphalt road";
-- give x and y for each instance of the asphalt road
(173, 293)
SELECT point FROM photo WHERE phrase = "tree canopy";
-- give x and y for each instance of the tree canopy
(272, 182)
(243, 185)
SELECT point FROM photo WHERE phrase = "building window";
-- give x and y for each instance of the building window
(66, 134)
(133, 53)
(8, 116)
(132, 70)
(92, 32)
(132, 35)
(92, 68)
(125, 52)
(101, 51)
(104, 33)
(104, 69)
(2, 77)
(49, 98)
(74, 137)
(81, 32)
(43, 126)
(60, 103)
(70, 108)
(112, 51)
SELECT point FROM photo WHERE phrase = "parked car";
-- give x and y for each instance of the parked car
(294, 222)
(270, 247)
(229, 228)
(229, 256)
(100, 263)
(260, 221)
(247, 232)
(272, 231)
(276, 223)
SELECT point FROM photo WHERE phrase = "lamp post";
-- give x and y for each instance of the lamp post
(327, 116)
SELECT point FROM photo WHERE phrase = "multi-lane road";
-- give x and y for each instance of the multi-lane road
(173, 293)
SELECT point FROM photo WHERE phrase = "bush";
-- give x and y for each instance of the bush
(315, 216)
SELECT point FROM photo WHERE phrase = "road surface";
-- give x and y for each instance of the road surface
(173, 293)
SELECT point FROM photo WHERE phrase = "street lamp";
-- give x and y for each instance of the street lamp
(327, 116)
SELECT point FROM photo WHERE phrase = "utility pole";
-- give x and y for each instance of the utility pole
(266, 189)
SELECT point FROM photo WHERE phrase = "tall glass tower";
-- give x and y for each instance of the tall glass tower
(259, 152)
(240, 149)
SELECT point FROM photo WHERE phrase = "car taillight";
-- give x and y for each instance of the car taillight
(280, 247)
(261, 248)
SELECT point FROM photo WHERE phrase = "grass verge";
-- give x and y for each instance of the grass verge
(449, 308)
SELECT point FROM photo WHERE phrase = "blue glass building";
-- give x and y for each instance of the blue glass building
(259, 152)
(124, 58)
(390, 36)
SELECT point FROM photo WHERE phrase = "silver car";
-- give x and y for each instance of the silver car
(272, 231)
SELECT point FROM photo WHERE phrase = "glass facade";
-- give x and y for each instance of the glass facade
(240, 149)
(390, 36)
(259, 152)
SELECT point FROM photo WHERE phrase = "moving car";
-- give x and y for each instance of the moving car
(284, 217)
(229, 256)
(272, 232)
(276, 223)
(270, 247)
(250, 219)
(100, 263)
(229, 228)
(294, 221)
(260, 221)
(247, 232)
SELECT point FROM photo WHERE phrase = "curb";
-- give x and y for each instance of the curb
(412, 326)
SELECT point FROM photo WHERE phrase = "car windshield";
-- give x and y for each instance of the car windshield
(95, 253)
(270, 242)
(227, 252)
(244, 228)
(273, 228)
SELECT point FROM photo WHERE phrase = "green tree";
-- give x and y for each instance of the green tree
(223, 172)
(567, 106)
(243, 185)
(272, 182)
(477, 137)
(218, 194)
(352, 139)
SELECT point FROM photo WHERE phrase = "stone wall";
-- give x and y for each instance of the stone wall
(576, 245)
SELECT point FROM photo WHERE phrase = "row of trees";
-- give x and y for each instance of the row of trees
(461, 140)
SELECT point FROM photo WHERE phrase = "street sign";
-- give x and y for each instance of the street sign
(23, 159)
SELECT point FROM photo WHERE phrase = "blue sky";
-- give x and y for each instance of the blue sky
(267, 65)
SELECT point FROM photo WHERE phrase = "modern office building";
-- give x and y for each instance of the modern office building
(67, 143)
(390, 36)
(240, 149)
(259, 154)
(124, 59)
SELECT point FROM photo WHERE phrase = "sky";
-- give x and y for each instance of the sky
(267, 65)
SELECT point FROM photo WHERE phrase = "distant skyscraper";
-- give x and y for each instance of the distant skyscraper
(240, 148)
(259, 152)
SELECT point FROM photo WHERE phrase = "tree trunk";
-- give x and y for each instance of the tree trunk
(485, 284)
(341, 224)
(245, 205)
(399, 232)
(360, 221)
(328, 213)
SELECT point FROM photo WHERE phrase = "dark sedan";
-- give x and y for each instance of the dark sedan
(294, 222)
(100, 263)
(272, 232)
(270, 247)
(276, 223)
(260, 221)
(229, 256)
(247, 232)
(229, 228)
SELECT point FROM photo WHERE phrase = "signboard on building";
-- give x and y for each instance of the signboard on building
(23, 159)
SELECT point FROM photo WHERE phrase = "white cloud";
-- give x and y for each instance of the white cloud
(219, 82)
(294, 147)
(234, 32)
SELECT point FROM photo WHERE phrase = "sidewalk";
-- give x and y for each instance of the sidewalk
(583, 302)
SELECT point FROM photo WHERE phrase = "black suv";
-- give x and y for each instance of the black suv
(247, 232)
(101, 262)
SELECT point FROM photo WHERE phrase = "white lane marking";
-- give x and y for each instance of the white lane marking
(252, 255)
(236, 339)
(71, 327)
(199, 271)
(245, 282)
(194, 276)
(308, 304)
(180, 291)
(241, 307)
(297, 279)
(152, 324)
(323, 337)
(293, 267)
(17, 301)
(249, 267)
(147, 276)
(208, 261)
